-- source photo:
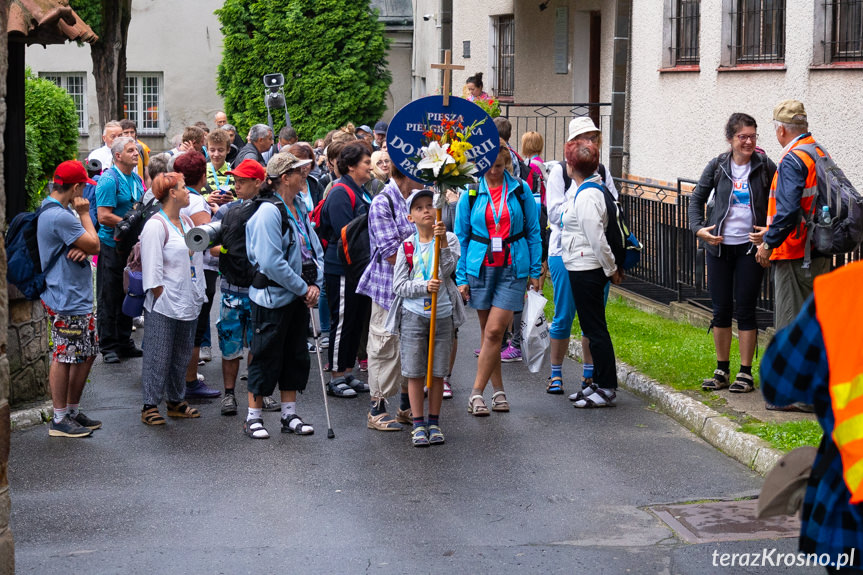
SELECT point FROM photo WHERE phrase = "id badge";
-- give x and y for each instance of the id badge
(497, 244)
(194, 274)
(427, 304)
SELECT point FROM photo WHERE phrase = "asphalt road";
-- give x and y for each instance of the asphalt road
(542, 489)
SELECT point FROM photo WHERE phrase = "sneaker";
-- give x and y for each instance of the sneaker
(364, 365)
(325, 341)
(271, 404)
(476, 352)
(138, 322)
(311, 346)
(85, 421)
(67, 427)
(201, 389)
(229, 404)
(131, 352)
(447, 389)
(200, 377)
(510, 354)
(206, 354)
(244, 376)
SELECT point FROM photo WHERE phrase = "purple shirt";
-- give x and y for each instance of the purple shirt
(387, 231)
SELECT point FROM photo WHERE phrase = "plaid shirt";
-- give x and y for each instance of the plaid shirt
(387, 231)
(794, 368)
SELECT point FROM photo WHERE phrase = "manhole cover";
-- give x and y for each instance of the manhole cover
(724, 521)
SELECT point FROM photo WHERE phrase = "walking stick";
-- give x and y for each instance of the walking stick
(330, 433)
(438, 205)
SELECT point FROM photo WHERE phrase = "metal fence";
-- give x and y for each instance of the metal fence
(552, 122)
(672, 268)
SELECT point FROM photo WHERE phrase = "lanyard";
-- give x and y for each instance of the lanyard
(167, 219)
(496, 216)
(129, 181)
(425, 262)
(216, 176)
(307, 199)
(300, 227)
(56, 200)
(193, 190)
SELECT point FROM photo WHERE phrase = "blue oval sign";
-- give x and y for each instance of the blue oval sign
(405, 133)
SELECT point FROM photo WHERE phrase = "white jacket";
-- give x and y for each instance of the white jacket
(583, 224)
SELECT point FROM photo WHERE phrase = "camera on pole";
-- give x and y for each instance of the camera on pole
(275, 97)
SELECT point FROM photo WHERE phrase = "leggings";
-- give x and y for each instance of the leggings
(734, 277)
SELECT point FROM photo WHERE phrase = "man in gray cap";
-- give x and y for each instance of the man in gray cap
(380, 141)
(794, 189)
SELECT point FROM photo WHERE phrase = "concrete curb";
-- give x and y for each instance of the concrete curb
(30, 416)
(705, 422)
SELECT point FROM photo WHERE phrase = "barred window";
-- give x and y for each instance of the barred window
(142, 102)
(844, 39)
(685, 24)
(758, 32)
(76, 84)
(504, 57)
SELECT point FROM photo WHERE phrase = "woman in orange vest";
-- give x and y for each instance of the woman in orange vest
(818, 360)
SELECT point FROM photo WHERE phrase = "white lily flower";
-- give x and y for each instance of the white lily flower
(435, 157)
(467, 169)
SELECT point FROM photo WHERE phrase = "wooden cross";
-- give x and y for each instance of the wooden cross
(447, 68)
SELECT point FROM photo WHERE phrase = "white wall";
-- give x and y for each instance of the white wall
(676, 120)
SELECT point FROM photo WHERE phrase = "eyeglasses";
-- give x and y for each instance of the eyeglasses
(743, 138)
(382, 162)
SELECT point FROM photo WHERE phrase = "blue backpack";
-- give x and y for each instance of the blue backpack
(24, 264)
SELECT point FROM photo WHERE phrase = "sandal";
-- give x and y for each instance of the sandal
(583, 392)
(555, 385)
(152, 416)
(717, 382)
(498, 404)
(476, 406)
(419, 437)
(357, 385)
(296, 425)
(599, 398)
(339, 387)
(743, 383)
(435, 435)
(182, 409)
(255, 429)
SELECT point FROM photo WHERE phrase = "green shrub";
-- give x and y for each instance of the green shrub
(331, 52)
(51, 131)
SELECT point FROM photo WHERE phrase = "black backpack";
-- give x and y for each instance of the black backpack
(623, 243)
(354, 247)
(24, 264)
(234, 264)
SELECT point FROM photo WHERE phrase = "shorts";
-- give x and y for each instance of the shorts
(498, 287)
(234, 325)
(414, 345)
(73, 337)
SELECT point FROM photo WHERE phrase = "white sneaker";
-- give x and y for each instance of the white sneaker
(325, 341)
(206, 354)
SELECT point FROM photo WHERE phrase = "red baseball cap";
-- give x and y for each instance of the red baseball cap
(249, 168)
(72, 172)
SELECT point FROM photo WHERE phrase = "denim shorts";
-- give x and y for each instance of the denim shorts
(414, 345)
(498, 287)
(234, 325)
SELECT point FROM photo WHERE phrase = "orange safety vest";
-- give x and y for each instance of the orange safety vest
(794, 246)
(840, 313)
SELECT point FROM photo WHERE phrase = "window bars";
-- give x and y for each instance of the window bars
(758, 32)
(686, 26)
(843, 30)
(506, 56)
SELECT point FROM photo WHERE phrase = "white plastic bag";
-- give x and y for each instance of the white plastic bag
(534, 332)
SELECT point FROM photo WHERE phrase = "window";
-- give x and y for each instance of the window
(685, 23)
(758, 32)
(503, 55)
(142, 102)
(841, 34)
(76, 84)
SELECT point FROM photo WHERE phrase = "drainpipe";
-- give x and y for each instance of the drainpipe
(620, 72)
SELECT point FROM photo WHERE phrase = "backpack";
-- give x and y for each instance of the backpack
(89, 194)
(234, 264)
(472, 195)
(844, 232)
(315, 216)
(354, 247)
(537, 180)
(133, 275)
(623, 243)
(523, 168)
(24, 264)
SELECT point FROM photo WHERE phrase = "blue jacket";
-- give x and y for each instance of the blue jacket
(278, 257)
(526, 253)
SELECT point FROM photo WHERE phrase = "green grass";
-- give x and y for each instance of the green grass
(674, 353)
(788, 435)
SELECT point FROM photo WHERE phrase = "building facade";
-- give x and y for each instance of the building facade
(173, 53)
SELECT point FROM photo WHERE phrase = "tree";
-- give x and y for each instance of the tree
(331, 52)
(51, 132)
(109, 19)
